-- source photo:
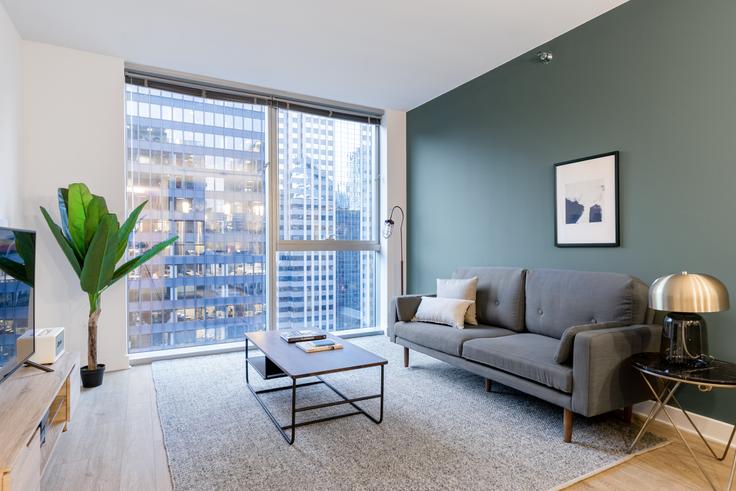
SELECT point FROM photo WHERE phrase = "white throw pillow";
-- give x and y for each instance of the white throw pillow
(450, 311)
(464, 289)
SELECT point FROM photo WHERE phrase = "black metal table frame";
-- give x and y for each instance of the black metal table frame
(667, 394)
(294, 385)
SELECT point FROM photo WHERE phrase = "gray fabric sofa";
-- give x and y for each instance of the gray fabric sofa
(523, 316)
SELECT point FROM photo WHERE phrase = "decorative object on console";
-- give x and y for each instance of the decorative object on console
(388, 229)
(49, 345)
(586, 202)
(94, 241)
(684, 296)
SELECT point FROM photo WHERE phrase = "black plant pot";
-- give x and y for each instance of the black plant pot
(92, 378)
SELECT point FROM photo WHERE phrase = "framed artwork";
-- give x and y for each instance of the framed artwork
(586, 202)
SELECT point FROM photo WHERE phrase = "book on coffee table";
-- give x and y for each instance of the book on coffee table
(319, 345)
(298, 335)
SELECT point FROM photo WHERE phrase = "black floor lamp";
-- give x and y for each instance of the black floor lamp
(388, 229)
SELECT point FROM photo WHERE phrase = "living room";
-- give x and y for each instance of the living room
(341, 246)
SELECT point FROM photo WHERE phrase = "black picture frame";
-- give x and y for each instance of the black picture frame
(616, 222)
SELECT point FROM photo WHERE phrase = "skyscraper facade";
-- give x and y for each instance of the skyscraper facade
(201, 165)
(327, 191)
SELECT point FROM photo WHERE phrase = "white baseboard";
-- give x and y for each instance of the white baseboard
(712, 429)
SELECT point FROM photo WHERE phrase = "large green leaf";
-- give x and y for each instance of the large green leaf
(66, 246)
(138, 261)
(78, 198)
(96, 209)
(99, 263)
(25, 245)
(126, 229)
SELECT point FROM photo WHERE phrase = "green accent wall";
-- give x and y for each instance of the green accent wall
(654, 79)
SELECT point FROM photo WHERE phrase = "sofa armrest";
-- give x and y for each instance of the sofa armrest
(402, 309)
(603, 378)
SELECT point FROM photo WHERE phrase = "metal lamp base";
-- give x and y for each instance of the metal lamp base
(684, 339)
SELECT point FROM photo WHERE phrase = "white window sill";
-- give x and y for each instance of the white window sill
(214, 349)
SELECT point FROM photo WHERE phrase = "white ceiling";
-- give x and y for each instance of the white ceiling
(393, 54)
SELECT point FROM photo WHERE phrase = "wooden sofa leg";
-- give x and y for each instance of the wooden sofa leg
(488, 384)
(567, 425)
(406, 357)
(628, 413)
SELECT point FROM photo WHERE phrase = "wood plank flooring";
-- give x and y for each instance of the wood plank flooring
(115, 443)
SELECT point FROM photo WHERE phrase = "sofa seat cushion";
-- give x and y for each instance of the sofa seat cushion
(445, 338)
(527, 355)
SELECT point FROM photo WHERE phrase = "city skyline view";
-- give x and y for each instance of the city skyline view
(201, 164)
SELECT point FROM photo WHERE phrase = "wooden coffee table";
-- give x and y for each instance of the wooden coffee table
(282, 359)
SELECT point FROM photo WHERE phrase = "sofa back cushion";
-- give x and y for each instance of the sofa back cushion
(500, 295)
(556, 300)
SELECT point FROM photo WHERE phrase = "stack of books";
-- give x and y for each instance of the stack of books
(298, 335)
(319, 345)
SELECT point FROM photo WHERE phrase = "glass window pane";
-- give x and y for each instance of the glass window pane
(327, 290)
(209, 287)
(327, 178)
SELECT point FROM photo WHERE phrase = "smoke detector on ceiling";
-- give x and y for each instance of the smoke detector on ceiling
(545, 56)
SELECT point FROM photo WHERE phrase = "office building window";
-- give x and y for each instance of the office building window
(200, 164)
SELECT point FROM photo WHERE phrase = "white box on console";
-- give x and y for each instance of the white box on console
(49, 345)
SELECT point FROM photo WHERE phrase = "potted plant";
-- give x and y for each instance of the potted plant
(93, 242)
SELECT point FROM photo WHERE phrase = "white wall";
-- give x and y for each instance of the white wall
(10, 120)
(73, 131)
(393, 192)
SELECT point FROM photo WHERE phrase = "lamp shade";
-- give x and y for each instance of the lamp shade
(683, 292)
(388, 228)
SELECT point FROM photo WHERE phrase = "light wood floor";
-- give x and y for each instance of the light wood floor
(115, 442)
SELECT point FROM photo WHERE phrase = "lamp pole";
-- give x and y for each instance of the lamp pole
(388, 231)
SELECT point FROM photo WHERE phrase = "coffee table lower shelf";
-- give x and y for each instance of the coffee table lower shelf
(267, 370)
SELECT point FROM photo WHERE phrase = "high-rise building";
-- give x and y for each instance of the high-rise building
(327, 181)
(201, 164)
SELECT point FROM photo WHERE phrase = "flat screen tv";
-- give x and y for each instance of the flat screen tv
(17, 271)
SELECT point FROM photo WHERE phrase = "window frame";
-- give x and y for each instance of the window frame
(273, 102)
(276, 245)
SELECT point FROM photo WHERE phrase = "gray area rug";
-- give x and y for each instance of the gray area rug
(441, 430)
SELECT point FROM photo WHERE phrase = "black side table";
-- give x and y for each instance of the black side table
(718, 374)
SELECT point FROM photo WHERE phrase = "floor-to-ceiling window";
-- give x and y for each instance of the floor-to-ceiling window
(200, 159)
(328, 235)
(200, 164)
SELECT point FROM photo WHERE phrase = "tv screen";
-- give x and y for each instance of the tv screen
(17, 270)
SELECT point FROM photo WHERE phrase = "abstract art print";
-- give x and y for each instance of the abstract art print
(586, 202)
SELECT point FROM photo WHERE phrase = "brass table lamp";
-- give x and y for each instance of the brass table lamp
(684, 296)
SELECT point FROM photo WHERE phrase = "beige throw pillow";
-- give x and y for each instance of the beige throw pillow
(464, 289)
(449, 311)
